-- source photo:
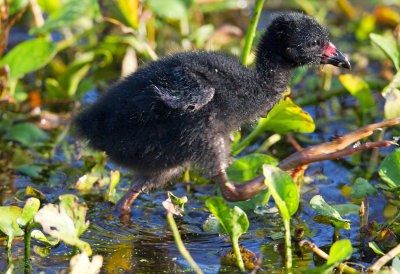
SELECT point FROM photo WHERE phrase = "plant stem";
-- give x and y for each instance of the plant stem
(238, 254)
(288, 245)
(247, 140)
(252, 30)
(336, 234)
(27, 249)
(180, 244)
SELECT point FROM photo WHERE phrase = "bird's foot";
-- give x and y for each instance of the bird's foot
(122, 209)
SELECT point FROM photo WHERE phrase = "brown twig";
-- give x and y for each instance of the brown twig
(384, 259)
(299, 161)
(336, 148)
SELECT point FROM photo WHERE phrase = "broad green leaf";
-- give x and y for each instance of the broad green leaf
(376, 248)
(362, 188)
(389, 48)
(169, 9)
(339, 252)
(17, 5)
(29, 56)
(359, 89)
(286, 117)
(283, 189)
(30, 170)
(66, 221)
(390, 169)
(8, 222)
(331, 222)
(27, 134)
(246, 168)
(212, 225)
(318, 204)
(345, 209)
(249, 166)
(30, 209)
(233, 220)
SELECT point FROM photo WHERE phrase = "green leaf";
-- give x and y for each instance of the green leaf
(27, 134)
(30, 191)
(318, 204)
(233, 220)
(66, 221)
(169, 9)
(49, 6)
(67, 15)
(30, 209)
(345, 209)
(359, 89)
(362, 188)
(339, 252)
(8, 222)
(29, 56)
(111, 194)
(212, 225)
(390, 169)
(249, 166)
(17, 5)
(30, 170)
(70, 78)
(396, 264)
(391, 93)
(180, 202)
(392, 104)
(38, 235)
(201, 34)
(389, 48)
(286, 117)
(376, 248)
(283, 189)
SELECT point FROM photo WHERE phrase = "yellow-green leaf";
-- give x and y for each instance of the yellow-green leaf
(359, 89)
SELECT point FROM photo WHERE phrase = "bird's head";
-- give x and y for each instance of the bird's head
(297, 40)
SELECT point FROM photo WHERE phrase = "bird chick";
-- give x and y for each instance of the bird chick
(180, 110)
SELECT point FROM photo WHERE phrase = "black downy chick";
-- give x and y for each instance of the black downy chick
(180, 110)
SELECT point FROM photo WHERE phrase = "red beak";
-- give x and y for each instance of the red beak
(334, 57)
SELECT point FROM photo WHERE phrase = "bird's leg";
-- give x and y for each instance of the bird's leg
(234, 192)
(300, 160)
(123, 206)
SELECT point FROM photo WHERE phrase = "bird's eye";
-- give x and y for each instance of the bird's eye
(314, 43)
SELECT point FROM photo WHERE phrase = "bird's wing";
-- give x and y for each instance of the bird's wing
(183, 90)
